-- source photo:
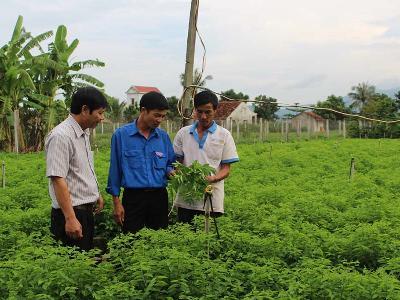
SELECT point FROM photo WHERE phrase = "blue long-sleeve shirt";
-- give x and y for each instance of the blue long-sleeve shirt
(137, 162)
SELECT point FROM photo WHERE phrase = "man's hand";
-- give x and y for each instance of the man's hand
(73, 228)
(119, 212)
(211, 179)
(171, 174)
(99, 205)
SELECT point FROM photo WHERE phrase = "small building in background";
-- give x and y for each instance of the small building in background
(311, 119)
(135, 93)
(234, 111)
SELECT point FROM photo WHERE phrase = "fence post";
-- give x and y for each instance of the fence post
(298, 127)
(16, 140)
(340, 126)
(309, 128)
(237, 130)
(327, 128)
(168, 131)
(267, 130)
(3, 172)
(344, 128)
(282, 129)
(287, 130)
(261, 129)
(102, 128)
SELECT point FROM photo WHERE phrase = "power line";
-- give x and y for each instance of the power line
(296, 105)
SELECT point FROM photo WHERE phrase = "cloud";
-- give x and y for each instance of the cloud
(284, 49)
(310, 81)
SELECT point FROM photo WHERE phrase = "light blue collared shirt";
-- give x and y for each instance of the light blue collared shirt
(193, 131)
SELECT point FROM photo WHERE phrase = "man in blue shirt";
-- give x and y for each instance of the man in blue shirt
(141, 160)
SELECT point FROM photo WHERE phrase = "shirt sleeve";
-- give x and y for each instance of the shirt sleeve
(171, 155)
(115, 171)
(229, 153)
(58, 155)
(178, 144)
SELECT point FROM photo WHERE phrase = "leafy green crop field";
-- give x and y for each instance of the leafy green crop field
(296, 227)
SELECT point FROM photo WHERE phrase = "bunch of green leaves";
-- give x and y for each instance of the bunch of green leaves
(190, 182)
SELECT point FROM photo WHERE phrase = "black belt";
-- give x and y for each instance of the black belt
(145, 190)
(86, 206)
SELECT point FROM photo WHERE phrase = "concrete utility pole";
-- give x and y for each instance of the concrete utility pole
(188, 78)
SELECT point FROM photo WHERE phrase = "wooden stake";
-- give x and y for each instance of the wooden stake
(3, 172)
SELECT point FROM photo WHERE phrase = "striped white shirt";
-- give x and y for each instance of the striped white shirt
(68, 155)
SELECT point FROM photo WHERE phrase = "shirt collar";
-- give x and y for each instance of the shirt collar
(77, 128)
(210, 129)
(135, 130)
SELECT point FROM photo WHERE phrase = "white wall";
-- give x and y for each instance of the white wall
(242, 113)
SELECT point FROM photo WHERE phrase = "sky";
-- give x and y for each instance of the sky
(295, 51)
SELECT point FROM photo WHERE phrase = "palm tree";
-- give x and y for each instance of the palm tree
(115, 110)
(361, 95)
(197, 78)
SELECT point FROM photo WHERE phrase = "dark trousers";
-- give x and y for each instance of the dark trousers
(187, 215)
(84, 214)
(145, 208)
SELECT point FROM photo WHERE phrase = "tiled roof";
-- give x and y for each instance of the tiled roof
(145, 89)
(225, 108)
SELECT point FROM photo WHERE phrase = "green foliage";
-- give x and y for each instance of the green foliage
(130, 112)
(172, 113)
(361, 95)
(295, 227)
(231, 94)
(189, 182)
(267, 108)
(30, 80)
(332, 102)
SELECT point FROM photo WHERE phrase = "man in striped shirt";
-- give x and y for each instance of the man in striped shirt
(73, 185)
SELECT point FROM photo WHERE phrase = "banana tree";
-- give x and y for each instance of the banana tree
(15, 81)
(64, 79)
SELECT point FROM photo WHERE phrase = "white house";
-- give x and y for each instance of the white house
(135, 93)
(311, 119)
(235, 111)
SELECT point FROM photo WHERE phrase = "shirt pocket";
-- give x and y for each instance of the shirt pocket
(215, 151)
(134, 158)
(160, 162)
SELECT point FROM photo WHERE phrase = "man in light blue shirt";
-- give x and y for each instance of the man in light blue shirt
(141, 161)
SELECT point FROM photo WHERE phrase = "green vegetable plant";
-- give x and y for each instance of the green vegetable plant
(190, 182)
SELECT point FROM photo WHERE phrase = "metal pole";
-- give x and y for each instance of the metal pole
(190, 47)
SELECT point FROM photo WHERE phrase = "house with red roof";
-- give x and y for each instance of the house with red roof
(309, 119)
(135, 93)
(235, 111)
